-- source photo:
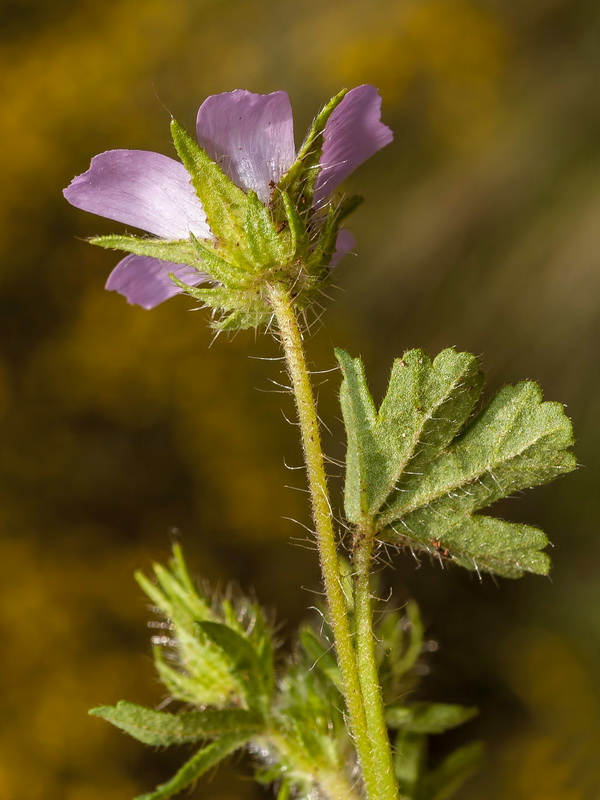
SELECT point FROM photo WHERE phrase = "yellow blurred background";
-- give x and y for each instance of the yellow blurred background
(119, 425)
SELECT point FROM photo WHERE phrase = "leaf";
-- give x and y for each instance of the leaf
(454, 770)
(428, 718)
(244, 664)
(198, 764)
(409, 757)
(425, 405)
(411, 470)
(321, 656)
(225, 203)
(162, 728)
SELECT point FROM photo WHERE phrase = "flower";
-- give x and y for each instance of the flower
(250, 136)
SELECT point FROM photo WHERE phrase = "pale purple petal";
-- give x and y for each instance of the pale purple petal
(251, 137)
(145, 281)
(140, 188)
(344, 244)
(353, 133)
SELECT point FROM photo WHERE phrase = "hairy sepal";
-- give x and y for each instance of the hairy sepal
(224, 203)
(299, 181)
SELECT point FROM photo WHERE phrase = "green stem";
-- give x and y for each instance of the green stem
(364, 542)
(291, 341)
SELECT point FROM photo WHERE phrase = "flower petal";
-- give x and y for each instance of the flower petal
(140, 188)
(251, 137)
(145, 281)
(344, 244)
(353, 133)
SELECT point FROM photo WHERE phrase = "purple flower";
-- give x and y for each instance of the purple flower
(251, 137)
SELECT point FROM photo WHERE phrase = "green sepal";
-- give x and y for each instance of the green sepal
(299, 180)
(224, 203)
(200, 763)
(321, 255)
(454, 770)
(243, 663)
(162, 729)
(421, 474)
(264, 243)
(296, 226)
(218, 268)
(179, 251)
(428, 718)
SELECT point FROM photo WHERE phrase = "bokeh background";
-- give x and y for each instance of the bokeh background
(120, 426)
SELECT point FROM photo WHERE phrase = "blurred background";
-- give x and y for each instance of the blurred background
(122, 427)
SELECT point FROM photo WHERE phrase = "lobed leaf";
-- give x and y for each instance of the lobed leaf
(162, 728)
(420, 472)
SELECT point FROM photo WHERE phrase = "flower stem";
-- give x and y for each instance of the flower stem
(367, 663)
(291, 341)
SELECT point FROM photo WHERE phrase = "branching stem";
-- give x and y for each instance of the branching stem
(293, 347)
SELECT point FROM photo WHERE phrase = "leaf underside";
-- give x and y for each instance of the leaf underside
(421, 469)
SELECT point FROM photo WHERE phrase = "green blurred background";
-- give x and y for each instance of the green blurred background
(119, 425)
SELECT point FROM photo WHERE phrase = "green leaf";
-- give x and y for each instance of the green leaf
(411, 469)
(225, 203)
(321, 655)
(409, 758)
(425, 405)
(428, 718)
(443, 782)
(243, 662)
(201, 762)
(162, 728)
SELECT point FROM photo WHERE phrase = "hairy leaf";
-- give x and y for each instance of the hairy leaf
(454, 770)
(428, 717)
(198, 764)
(420, 472)
(162, 728)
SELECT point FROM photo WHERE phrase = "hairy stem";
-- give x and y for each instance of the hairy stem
(367, 663)
(293, 347)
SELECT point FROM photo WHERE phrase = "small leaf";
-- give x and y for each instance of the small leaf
(244, 664)
(409, 757)
(428, 718)
(421, 480)
(162, 728)
(443, 782)
(201, 762)
(322, 657)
